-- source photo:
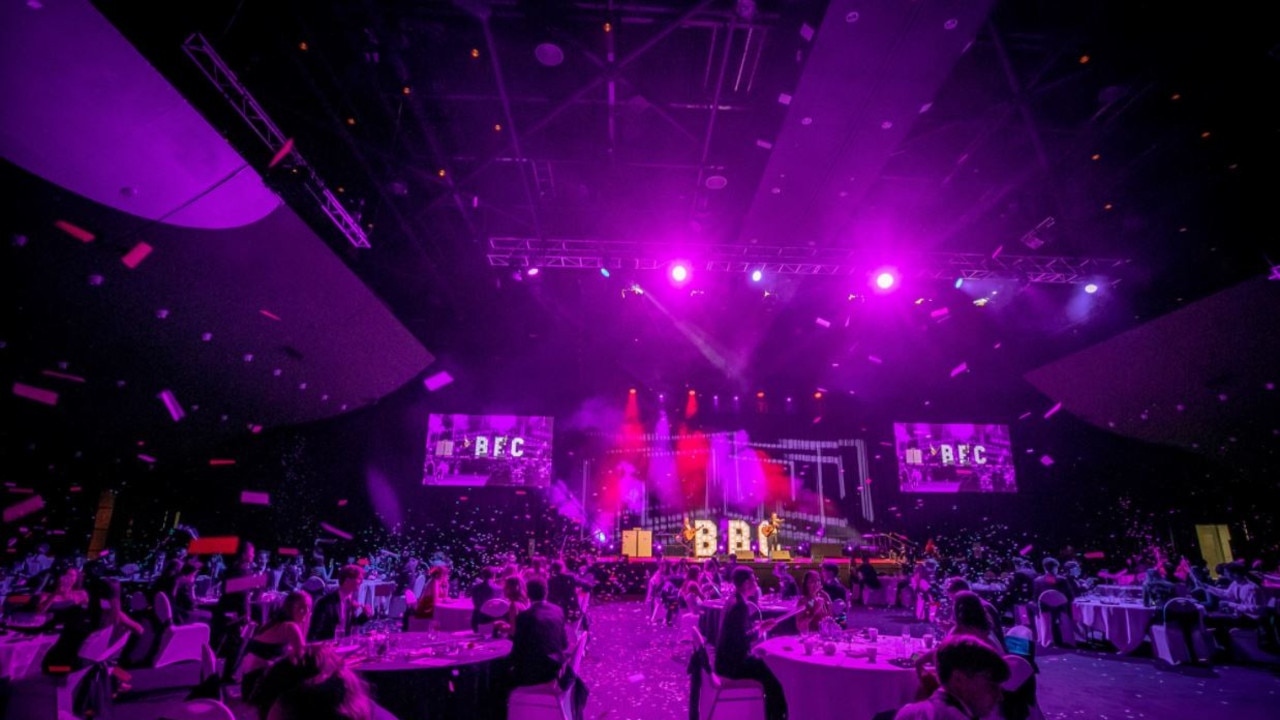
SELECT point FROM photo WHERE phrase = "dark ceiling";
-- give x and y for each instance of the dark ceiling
(932, 135)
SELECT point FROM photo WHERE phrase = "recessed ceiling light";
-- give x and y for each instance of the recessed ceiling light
(716, 182)
(549, 54)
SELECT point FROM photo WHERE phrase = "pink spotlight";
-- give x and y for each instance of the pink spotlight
(885, 280)
(533, 271)
(679, 272)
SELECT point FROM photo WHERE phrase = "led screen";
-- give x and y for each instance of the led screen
(954, 458)
(495, 450)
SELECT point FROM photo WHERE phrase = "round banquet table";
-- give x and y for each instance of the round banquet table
(713, 610)
(454, 614)
(839, 687)
(437, 676)
(21, 654)
(1125, 625)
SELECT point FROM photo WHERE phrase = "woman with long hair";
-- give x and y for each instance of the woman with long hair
(513, 592)
(284, 634)
(815, 601)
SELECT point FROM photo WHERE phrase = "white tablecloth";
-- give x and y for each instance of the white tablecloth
(1124, 625)
(838, 687)
(455, 614)
(20, 655)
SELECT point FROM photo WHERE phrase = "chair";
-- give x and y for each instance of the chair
(419, 583)
(1021, 641)
(1181, 636)
(314, 586)
(724, 699)
(1054, 625)
(493, 610)
(382, 598)
(137, 602)
(163, 610)
(548, 701)
(1021, 686)
(203, 582)
(198, 710)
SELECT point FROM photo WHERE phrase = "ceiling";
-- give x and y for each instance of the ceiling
(819, 140)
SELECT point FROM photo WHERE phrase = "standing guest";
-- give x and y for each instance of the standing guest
(867, 577)
(970, 672)
(815, 601)
(406, 575)
(339, 611)
(740, 624)
(482, 592)
(831, 583)
(562, 590)
(234, 605)
(787, 586)
(691, 594)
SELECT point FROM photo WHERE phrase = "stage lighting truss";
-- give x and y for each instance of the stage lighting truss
(211, 64)
(595, 255)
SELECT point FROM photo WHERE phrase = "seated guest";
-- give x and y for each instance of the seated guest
(739, 625)
(691, 593)
(339, 610)
(185, 608)
(315, 685)
(66, 593)
(957, 585)
(787, 586)
(1156, 591)
(165, 580)
(970, 672)
(1051, 580)
(562, 590)
(482, 592)
(284, 634)
(971, 620)
(513, 591)
(816, 604)
(540, 645)
(831, 582)
(1241, 596)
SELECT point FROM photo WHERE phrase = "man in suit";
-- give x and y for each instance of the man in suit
(482, 592)
(562, 590)
(540, 646)
(339, 610)
(787, 586)
(739, 625)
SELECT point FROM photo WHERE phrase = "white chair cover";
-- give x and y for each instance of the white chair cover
(1055, 608)
(724, 699)
(1170, 641)
(182, 643)
(198, 710)
(419, 582)
(164, 609)
(546, 701)
(314, 586)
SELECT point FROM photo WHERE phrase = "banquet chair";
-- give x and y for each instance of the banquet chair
(1054, 624)
(1021, 641)
(382, 599)
(203, 709)
(419, 582)
(314, 586)
(552, 700)
(1020, 688)
(1181, 636)
(493, 610)
(722, 698)
(183, 656)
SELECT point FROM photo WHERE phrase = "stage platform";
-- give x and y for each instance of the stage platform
(632, 574)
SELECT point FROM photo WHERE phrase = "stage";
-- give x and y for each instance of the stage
(631, 575)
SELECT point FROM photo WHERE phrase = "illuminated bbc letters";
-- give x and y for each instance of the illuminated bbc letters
(706, 537)
(503, 446)
(739, 536)
(959, 454)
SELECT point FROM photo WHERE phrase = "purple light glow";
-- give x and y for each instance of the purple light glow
(679, 272)
(885, 280)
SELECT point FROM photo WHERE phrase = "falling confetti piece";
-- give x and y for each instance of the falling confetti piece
(335, 531)
(939, 313)
(21, 491)
(286, 551)
(74, 231)
(997, 252)
(223, 545)
(1045, 460)
(134, 257)
(217, 462)
(342, 503)
(874, 359)
(248, 497)
(146, 458)
(961, 368)
(1095, 556)
(1052, 410)
(1026, 550)
(281, 154)
(638, 677)
(823, 322)
(1025, 415)
(24, 508)
(268, 313)
(171, 404)
(48, 397)
(437, 381)
(61, 376)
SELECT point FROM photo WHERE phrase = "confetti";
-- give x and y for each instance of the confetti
(1052, 410)
(342, 502)
(281, 154)
(74, 231)
(1095, 555)
(287, 551)
(638, 677)
(48, 397)
(437, 381)
(1026, 550)
(1025, 415)
(939, 313)
(268, 313)
(821, 322)
(224, 545)
(997, 252)
(1045, 460)
(134, 257)
(24, 508)
(171, 404)
(217, 462)
(961, 368)
(874, 359)
(335, 531)
(146, 458)
(249, 497)
(61, 376)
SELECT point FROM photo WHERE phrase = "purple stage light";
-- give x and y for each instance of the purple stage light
(533, 271)
(1091, 288)
(679, 272)
(885, 280)
(756, 276)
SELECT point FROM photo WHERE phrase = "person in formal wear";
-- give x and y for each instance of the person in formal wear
(815, 602)
(867, 577)
(68, 591)
(740, 624)
(562, 590)
(1051, 580)
(970, 672)
(482, 592)
(831, 583)
(339, 610)
(788, 588)
(540, 646)
(285, 633)
(315, 684)
(514, 592)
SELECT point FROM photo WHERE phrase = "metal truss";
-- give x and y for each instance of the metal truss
(211, 64)
(785, 260)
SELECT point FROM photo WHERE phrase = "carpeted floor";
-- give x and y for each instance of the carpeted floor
(636, 671)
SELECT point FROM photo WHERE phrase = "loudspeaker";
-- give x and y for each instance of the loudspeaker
(745, 556)
(780, 555)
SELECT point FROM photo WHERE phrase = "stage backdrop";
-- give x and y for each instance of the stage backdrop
(479, 450)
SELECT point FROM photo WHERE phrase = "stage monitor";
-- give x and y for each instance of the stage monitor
(492, 450)
(954, 458)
